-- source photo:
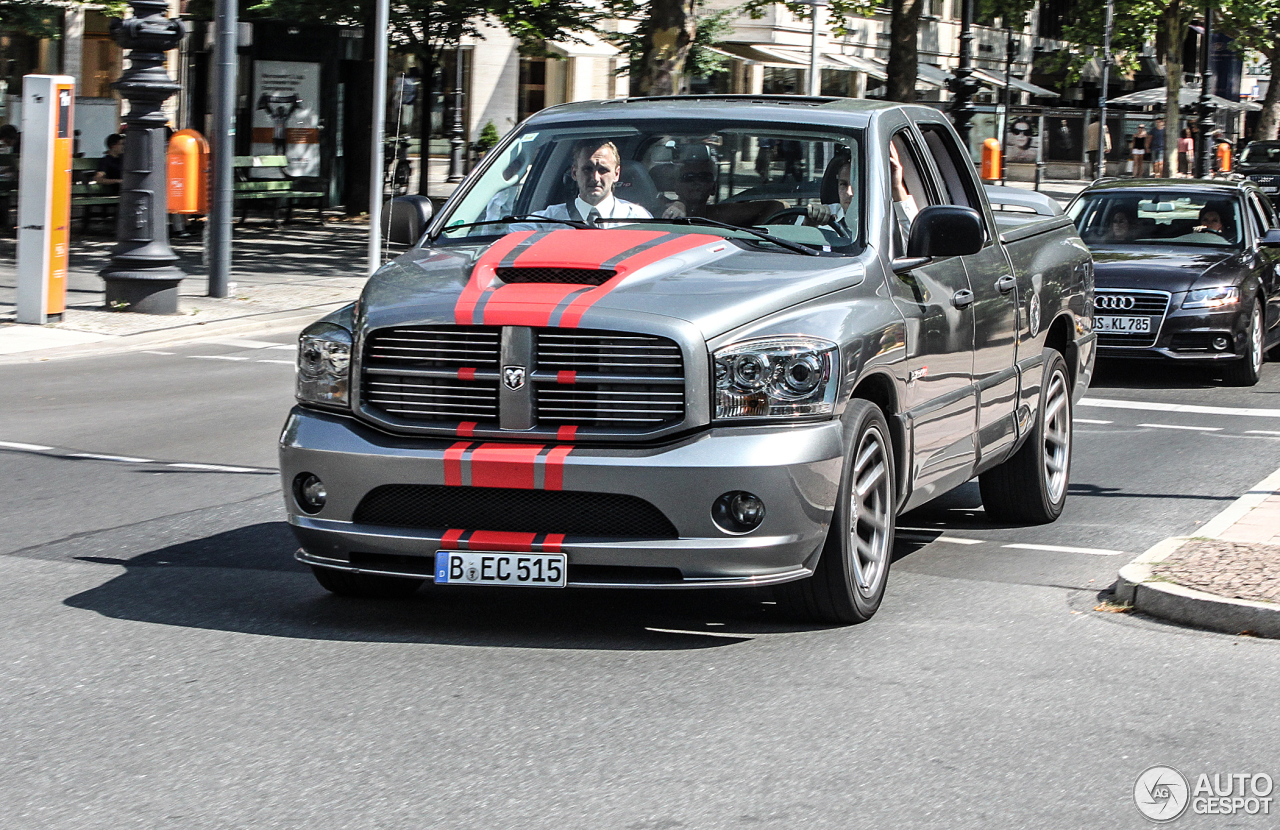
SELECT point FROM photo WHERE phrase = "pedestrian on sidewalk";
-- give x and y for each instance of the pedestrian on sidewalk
(1138, 148)
(1157, 149)
(1186, 147)
(111, 166)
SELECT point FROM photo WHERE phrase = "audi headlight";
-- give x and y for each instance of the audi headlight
(324, 365)
(776, 376)
(1223, 295)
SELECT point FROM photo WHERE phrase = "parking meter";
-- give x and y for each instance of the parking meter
(44, 197)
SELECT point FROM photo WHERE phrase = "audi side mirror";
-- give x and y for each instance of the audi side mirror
(405, 218)
(945, 230)
(1271, 239)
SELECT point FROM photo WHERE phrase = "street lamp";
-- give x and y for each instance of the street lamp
(815, 78)
(1101, 169)
(963, 86)
(456, 140)
(142, 276)
(1205, 166)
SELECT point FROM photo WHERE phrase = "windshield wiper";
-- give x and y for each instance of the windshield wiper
(527, 217)
(698, 220)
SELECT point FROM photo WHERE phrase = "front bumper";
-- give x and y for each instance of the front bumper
(1189, 335)
(795, 470)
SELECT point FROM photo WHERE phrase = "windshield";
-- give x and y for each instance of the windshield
(1258, 153)
(686, 176)
(1145, 217)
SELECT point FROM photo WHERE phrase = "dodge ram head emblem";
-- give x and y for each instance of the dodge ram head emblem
(513, 377)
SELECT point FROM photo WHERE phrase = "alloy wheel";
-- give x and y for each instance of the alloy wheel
(870, 519)
(1057, 436)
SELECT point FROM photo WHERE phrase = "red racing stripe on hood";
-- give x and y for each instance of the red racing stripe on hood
(482, 275)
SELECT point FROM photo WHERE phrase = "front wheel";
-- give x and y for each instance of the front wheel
(369, 586)
(1031, 487)
(849, 582)
(1247, 370)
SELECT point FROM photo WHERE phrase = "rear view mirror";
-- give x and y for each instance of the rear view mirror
(405, 218)
(1271, 239)
(945, 230)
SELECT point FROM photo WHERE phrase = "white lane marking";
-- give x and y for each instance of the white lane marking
(1178, 407)
(93, 456)
(1240, 508)
(214, 357)
(1262, 432)
(151, 351)
(285, 362)
(1179, 426)
(14, 445)
(1087, 421)
(723, 634)
(955, 540)
(244, 343)
(215, 468)
(290, 346)
(1064, 549)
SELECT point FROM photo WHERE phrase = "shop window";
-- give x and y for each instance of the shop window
(533, 86)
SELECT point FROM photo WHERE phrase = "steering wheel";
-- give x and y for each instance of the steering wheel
(835, 225)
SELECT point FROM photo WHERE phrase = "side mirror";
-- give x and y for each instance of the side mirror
(945, 230)
(1270, 239)
(405, 218)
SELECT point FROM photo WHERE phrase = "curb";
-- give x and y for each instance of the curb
(1137, 586)
(264, 323)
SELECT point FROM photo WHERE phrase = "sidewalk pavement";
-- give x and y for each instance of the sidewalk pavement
(1225, 579)
(281, 278)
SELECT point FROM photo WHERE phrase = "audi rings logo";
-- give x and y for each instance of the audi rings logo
(1114, 303)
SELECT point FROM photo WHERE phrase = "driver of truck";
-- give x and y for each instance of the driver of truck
(596, 168)
(839, 171)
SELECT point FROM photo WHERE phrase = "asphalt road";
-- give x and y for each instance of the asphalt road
(167, 665)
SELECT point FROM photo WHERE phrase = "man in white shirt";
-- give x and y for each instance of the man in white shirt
(596, 166)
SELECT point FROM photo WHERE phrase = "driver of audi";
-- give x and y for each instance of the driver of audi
(596, 167)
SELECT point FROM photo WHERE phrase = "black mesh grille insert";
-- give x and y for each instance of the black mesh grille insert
(572, 276)
(516, 511)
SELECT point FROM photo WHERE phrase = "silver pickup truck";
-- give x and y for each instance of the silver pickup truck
(687, 343)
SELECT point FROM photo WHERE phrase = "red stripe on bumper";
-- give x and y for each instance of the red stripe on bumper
(555, 468)
(501, 540)
(449, 541)
(552, 543)
(453, 464)
(466, 429)
(505, 465)
(566, 433)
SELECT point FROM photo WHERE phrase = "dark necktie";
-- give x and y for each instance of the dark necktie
(593, 217)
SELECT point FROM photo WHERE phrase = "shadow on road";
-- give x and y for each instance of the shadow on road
(245, 580)
(1153, 374)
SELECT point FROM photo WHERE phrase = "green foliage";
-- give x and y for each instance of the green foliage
(701, 62)
(32, 17)
(489, 137)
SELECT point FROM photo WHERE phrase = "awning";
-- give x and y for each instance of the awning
(871, 67)
(591, 47)
(1188, 96)
(798, 56)
(749, 52)
(930, 75)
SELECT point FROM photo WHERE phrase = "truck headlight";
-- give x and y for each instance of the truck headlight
(324, 365)
(776, 377)
(1223, 295)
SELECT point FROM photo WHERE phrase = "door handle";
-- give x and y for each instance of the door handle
(1006, 284)
(962, 298)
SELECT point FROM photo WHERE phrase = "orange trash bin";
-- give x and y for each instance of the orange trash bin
(188, 173)
(991, 160)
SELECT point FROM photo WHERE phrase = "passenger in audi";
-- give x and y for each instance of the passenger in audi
(596, 168)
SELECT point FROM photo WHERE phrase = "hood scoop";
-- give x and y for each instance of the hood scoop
(568, 276)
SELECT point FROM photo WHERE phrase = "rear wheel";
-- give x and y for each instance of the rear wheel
(1247, 370)
(849, 582)
(1031, 487)
(370, 586)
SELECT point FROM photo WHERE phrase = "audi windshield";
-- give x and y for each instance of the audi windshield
(762, 185)
(1146, 217)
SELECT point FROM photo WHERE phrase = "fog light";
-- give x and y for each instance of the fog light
(309, 492)
(738, 512)
(1220, 343)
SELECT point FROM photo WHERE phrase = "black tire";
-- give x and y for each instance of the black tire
(369, 586)
(849, 582)
(1247, 370)
(1031, 486)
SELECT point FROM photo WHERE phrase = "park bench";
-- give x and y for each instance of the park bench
(265, 180)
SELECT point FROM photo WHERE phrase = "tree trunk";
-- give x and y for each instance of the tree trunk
(904, 28)
(1173, 85)
(1269, 120)
(668, 34)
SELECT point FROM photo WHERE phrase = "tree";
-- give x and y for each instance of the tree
(666, 41)
(1255, 25)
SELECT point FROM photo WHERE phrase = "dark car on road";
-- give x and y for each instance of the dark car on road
(1260, 163)
(1186, 269)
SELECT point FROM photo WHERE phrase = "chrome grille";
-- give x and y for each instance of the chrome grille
(1153, 304)
(608, 353)
(416, 374)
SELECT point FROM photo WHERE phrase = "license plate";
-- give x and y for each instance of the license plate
(531, 570)
(1123, 325)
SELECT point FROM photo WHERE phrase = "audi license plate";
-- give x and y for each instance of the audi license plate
(1122, 325)
(532, 570)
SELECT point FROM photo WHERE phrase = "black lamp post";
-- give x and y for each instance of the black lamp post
(963, 86)
(457, 141)
(1204, 168)
(142, 276)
